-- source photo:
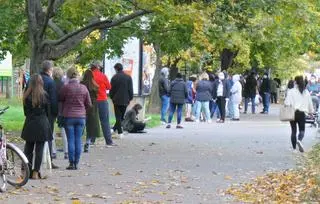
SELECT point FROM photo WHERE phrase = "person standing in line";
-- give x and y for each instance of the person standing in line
(250, 90)
(50, 88)
(265, 90)
(190, 99)
(273, 89)
(178, 94)
(300, 99)
(163, 93)
(229, 106)
(221, 92)
(57, 77)
(36, 129)
(203, 97)
(236, 97)
(92, 116)
(75, 100)
(121, 94)
(102, 101)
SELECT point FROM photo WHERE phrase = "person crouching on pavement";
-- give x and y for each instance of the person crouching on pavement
(131, 123)
(178, 93)
(236, 97)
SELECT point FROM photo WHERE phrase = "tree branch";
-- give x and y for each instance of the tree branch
(32, 11)
(46, 20)
(56, 28)
(57, 4)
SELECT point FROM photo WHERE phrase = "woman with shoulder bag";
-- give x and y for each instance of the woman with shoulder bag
(299, 98)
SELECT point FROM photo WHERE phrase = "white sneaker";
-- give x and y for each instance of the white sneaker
(163, 123)
(299, 143)
(112, 131)
(121, 135)
(197, 121)
(209, 121)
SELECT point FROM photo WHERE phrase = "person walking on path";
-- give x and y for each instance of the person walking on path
(57, 77)
(92, 116)
(121, 94)
(130, 122)
(221, 92)
(299, 98)
(203, 97)
(75, 100)
(50, 88)
(163, 93)
(178, 94)
(36, 129)
(250, 90)
(236, 97)
(265, 90)
(102, 101)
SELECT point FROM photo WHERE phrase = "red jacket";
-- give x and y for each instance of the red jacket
(103, 82)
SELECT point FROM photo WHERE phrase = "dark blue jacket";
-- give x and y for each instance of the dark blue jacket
(178, 91)
(204, 90)
(50, 87)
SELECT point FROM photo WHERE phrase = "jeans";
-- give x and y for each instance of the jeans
(173, 108)
(28, 151)
(253, 105)
(221, 101)
(137, 127)
(103, 108)
(300, 120)
(266, 102)
(214, 109)
(164, 107)
(236, 111)
(119, 112)
(74, 128)
(274, 97)
(203, 105)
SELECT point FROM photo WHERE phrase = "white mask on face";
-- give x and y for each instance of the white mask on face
(265, 76)
(221, 76)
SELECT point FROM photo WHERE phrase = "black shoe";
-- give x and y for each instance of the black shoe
(75, 166)
(86, 148)
(54, 156)
(168, 126)
(71, 166)
(54, 166)
(66, 156)
(235, 119)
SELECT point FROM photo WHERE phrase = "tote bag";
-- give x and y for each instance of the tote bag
(287, 113)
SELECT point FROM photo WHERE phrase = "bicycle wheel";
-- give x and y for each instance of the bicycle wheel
(17, 169)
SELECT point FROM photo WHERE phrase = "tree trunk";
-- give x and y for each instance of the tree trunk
(226, 58)
(8, 90)
(154, 100)
(35, 61)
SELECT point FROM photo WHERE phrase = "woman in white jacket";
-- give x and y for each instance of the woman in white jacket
(236, 97)
(299, 98)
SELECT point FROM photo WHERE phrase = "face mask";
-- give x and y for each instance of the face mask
(221, 76)
(265, 77)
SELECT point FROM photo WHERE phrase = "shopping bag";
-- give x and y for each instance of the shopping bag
(46, 159)
(287, 113)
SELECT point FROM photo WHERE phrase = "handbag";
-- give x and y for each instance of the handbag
(287, 113)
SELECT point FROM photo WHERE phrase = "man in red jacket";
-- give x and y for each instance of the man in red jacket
(102, 101)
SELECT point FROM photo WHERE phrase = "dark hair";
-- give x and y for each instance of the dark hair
(179, 75)
(46, 65)
(89, 81)
(36, 91)
(118, 67)
(300, 83)
(137, 107)
(290, 84)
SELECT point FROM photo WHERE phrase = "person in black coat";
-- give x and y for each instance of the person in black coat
(36, 129)
(221, 93)
(121, 94)
(178, 94)
(265, 92)
(130, 122)
(250, 92)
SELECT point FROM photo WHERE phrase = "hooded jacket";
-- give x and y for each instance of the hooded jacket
(236, 90)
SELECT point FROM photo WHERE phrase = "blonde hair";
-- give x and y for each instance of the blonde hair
(204, 76)
(72, 72)
(57, 73)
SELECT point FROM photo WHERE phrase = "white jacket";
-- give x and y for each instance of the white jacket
(236, 90)
(298, 101)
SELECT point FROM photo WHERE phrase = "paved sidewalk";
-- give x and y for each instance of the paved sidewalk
(193, 165)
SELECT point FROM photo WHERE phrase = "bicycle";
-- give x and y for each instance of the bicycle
(14, 167)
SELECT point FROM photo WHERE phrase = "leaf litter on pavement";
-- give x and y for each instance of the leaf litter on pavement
(290, 186)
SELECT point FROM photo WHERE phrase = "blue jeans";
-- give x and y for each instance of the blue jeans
(204, 105)
(173, 108)
(103, 108)
(253, 105)
(214, 109)
(164, 107)
(266, 102)
(74, 130)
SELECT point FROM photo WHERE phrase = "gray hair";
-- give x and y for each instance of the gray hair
(47, 65)
(96, 64)
(165, 72)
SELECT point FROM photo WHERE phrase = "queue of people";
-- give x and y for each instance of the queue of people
(76, 103)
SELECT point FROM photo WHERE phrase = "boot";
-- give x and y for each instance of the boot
(71, 166)
(86, 148)
(66, 156)
(35, 175)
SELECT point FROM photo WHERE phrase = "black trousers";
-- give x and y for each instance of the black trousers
(138, 127)
(52, 120)
(119, 111)
(221, 101)
(300, 120)
(28, 151)
(274, 97)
